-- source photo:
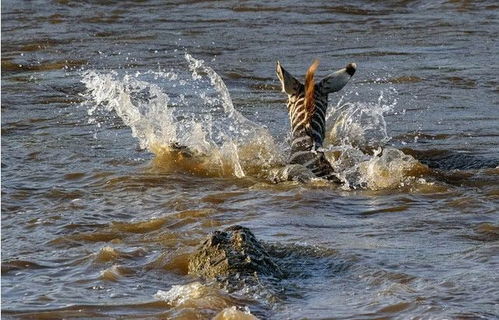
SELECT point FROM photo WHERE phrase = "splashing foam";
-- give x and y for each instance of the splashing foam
(194, 127)
(198, 296)
(194, 295)
(188, 120)
(359, 124)
(356, 138)
(233, 313)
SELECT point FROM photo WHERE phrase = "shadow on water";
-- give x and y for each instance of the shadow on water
(452, 160)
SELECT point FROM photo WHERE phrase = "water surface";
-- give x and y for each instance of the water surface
(99, 217)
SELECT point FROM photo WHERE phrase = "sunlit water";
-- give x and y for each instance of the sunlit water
(100, 213)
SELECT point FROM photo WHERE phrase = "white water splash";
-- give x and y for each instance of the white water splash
(197, 295)
(179, 294)
(358, 131)
(141, 105)
(387, 168)
(194, 111)
(233, 313)
(359, 123)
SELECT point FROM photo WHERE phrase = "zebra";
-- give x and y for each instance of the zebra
(307, 104)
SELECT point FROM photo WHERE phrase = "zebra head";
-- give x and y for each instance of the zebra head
(307, 103)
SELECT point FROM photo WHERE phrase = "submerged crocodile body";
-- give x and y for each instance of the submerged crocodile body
(233, 252)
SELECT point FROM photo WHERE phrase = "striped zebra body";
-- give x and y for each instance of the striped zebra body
(307, 106)
(308, 136)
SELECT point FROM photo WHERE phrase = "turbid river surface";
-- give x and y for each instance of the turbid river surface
(100, 216)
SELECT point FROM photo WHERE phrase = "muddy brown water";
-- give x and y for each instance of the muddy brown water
(99, 218)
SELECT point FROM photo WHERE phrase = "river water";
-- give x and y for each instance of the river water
(99, 215)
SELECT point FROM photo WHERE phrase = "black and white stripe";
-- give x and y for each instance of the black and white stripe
(308, 135)
(308, 130)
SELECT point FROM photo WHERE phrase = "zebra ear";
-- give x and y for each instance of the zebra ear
(337, 80)
(289, 83)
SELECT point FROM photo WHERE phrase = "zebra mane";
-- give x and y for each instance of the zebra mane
(309, 90)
